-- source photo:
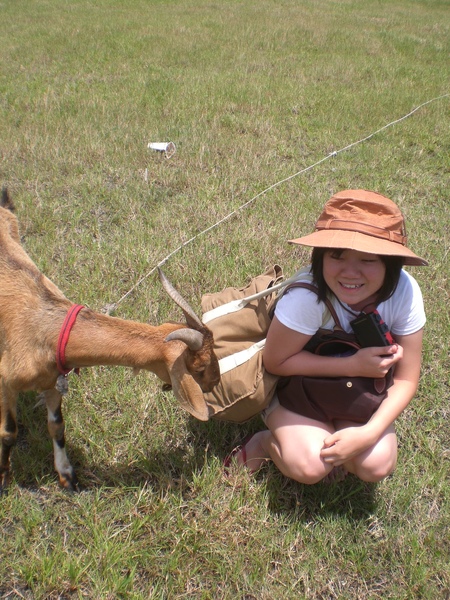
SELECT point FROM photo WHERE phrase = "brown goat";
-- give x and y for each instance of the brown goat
(32, 312)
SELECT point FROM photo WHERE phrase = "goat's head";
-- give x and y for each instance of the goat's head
(196, 370)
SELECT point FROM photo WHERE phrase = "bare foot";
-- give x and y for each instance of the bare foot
(251, 454)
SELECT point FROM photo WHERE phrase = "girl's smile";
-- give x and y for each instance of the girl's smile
(354, 277)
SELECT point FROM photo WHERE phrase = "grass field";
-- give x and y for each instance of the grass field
(251, 93)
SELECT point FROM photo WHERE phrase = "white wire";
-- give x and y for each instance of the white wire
(271, 187)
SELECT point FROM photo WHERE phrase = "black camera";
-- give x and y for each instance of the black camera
(370, 330)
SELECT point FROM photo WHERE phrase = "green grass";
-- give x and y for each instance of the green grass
(251, 93)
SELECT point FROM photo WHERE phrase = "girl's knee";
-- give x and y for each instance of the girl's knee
(374, 475)
(307, 476)
(378, 462)
(375, 470)
(306, 468)
(302, 474)
(295, 445)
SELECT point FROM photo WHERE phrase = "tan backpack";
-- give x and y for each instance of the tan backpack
(239, 319)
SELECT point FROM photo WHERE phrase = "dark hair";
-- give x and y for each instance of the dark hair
(393, 266)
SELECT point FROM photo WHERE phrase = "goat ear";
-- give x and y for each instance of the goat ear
(187, 391)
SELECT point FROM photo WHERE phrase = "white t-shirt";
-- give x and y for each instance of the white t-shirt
(403, 312)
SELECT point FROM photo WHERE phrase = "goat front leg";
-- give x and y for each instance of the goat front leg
(8, 432)
(56, 428)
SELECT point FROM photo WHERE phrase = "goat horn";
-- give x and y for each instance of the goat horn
(191, 318)
(191, 337)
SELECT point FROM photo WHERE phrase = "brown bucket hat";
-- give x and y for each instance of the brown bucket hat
(364, 221)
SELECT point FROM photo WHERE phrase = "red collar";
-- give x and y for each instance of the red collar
(64, 334)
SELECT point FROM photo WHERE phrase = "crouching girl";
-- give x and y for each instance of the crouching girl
(359, 250)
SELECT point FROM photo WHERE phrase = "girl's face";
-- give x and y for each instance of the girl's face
(354, 277)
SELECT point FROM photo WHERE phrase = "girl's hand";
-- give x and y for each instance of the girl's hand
(343, 445)
(375, 361)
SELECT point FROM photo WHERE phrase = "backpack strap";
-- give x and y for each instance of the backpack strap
(240, 303)
(232, 361)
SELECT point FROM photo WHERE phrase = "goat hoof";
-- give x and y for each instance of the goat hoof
(70, 483)
(72, 488)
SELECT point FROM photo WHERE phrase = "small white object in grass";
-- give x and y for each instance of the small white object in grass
(167, 147)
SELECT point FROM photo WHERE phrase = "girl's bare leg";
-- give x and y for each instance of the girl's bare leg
(293, 442)
(295, 445)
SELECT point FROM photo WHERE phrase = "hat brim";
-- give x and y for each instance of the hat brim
(354, 240)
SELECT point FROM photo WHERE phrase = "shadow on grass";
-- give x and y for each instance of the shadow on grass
(172, 468)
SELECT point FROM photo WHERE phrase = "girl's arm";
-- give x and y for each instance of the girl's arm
(406, 381)
(284, 355)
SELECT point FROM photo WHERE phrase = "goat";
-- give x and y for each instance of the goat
(32, 312)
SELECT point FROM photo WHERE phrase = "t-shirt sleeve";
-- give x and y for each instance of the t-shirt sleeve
(408, 312)
(299, 310)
